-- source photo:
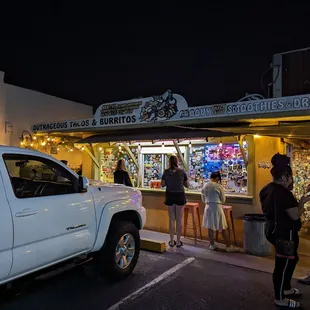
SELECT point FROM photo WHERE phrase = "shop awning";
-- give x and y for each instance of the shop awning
(287, 129)
(147, 134)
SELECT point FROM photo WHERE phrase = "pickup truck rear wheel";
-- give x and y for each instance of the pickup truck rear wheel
(121, 251)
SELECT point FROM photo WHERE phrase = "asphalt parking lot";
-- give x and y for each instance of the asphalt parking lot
(200, 284)
(76, 290)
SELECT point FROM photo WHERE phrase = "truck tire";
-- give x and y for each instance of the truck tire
(118, 257)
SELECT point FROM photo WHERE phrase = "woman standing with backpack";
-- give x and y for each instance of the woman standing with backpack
(283, 213)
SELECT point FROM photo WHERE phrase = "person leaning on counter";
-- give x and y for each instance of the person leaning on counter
(121, 176)
(174, 179)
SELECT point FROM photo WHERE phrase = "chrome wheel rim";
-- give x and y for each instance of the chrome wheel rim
(125, 251)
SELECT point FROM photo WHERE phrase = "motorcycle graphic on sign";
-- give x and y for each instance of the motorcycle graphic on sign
(159, 108)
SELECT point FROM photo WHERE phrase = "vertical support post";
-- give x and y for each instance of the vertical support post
(91, 155)
(176, 145)
(240, 142)
(128, 150)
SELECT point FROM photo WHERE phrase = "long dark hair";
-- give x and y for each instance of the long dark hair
(173, 162)
(281, 166)
(216, 175)
(121, 165)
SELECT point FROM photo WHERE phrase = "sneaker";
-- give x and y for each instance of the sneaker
(213, 247)
(232, 249)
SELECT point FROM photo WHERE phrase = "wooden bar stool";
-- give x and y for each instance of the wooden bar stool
(230, 222)
(193, 207)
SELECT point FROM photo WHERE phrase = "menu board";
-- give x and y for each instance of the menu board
(227, 159)
(152, 168)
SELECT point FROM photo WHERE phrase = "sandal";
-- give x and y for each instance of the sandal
(172, 244)
(292, 304)
(296, 293)
(179, 245)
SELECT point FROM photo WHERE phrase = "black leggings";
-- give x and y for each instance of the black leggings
(283, 271)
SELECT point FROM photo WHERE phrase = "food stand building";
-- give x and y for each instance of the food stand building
(238, 139)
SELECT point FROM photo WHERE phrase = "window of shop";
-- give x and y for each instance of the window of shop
(109, 156)
(201, 159)
(226, 158)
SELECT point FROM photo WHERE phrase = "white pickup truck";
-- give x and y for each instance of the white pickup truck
(50, 216)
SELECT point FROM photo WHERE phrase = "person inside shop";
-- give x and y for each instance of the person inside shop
(174, 179)
(283, 213)
(212, 194)
(121, 176)
(79, 172)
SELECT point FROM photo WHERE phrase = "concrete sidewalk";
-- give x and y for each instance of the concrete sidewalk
(265, 264)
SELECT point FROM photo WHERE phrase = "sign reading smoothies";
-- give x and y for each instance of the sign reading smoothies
(171, 107)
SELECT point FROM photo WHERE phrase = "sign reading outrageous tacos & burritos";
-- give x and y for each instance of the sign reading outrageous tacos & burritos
(171, 107)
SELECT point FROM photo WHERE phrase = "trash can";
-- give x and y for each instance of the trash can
(254, 240)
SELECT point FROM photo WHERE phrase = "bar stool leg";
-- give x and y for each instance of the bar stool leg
(199, 223)
(185, 221)
(194, 225)
(228, 224)
(233, 226)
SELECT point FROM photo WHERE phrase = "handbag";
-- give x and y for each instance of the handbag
(284, 248)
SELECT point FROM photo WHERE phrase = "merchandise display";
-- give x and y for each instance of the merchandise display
(226, 158)
(202, 160)
(301, 172)
(152, 168)
(108, 160)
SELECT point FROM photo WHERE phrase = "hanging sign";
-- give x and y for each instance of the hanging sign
(171, 107)
(264, 164)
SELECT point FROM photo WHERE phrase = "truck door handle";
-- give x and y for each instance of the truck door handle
(26, 212)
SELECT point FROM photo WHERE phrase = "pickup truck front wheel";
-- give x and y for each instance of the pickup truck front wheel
(119, 256)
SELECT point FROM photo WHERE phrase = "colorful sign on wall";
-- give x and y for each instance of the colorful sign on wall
(171, 107)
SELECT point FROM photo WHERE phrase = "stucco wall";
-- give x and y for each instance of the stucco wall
(23, 107)
(265, 148)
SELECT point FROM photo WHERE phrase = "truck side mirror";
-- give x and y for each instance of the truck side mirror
(83, 184)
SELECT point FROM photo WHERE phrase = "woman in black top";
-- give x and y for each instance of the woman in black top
(174, 179)
(121, 176)
(279, 205)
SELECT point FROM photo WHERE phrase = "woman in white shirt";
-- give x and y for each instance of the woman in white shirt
(213, 196)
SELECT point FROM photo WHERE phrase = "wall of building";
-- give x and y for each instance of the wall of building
(23, 107)
(265, 148)
(3, 135)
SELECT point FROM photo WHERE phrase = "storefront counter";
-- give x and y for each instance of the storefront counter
(196, 195)
(157, 215)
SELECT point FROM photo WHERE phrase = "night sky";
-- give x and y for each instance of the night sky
(209, 53)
